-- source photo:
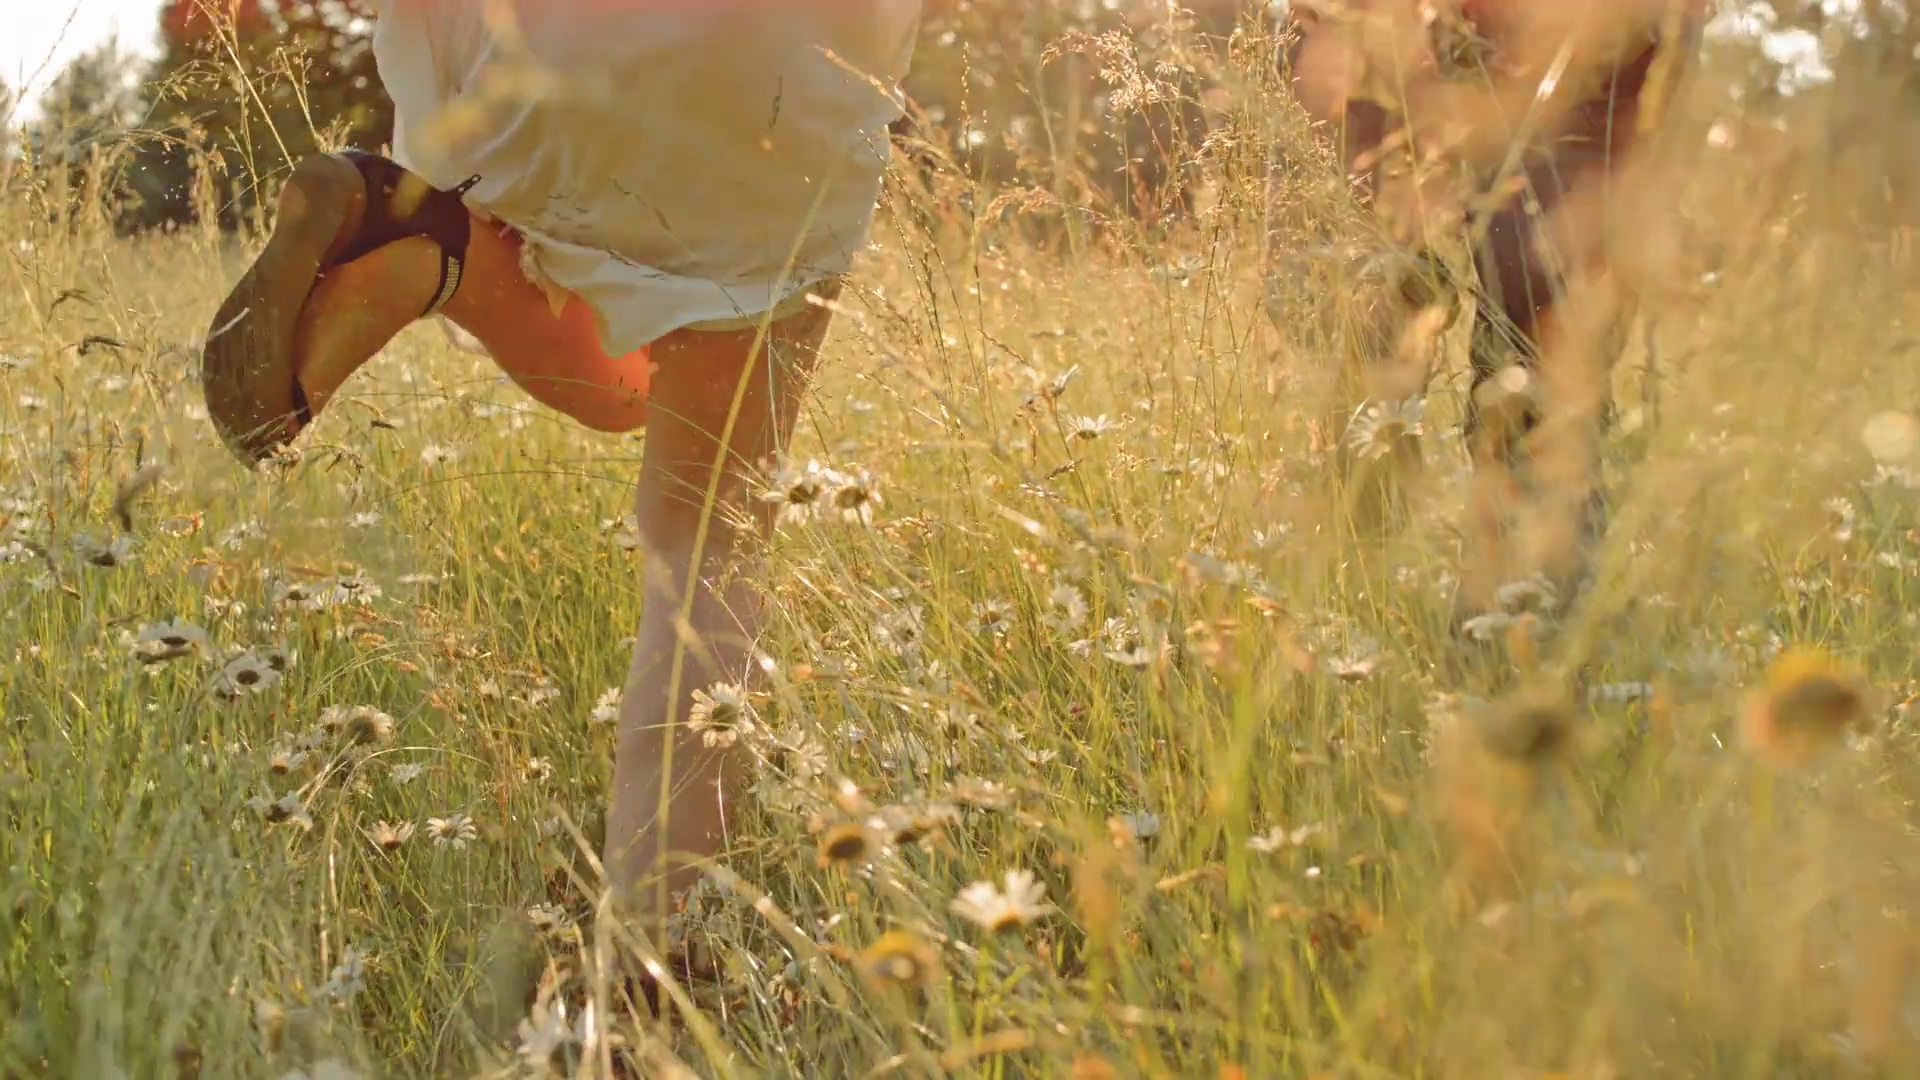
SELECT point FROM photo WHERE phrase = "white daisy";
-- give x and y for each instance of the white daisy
(1089, 428)
(348, 977)
(1140, 824)
(453, 831)
(987, 905)
(360, 724)
(246, 673)
(545, 1032)
(1382, 428)
(606, 710)
(900, 631)
(854, 497)
(170, 640)
(1067, 609)
(108, 553)
(720, 715)
(388, 836)
(992, 618)
(1279, 838)
(288, 809)
(1535, 594)
(798, 491)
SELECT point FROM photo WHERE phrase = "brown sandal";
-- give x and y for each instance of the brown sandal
(263, 306)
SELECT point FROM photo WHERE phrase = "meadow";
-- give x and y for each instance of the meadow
(1091, 740)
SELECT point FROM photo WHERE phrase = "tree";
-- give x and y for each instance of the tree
(242, 89)
(85, 120)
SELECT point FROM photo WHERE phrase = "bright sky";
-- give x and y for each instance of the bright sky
(39, 37)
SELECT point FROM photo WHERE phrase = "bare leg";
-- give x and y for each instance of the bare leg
(670, 793)
(282, 319)
(557, 359)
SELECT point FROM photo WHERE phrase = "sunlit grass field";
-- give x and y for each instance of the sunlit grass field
(301, 771)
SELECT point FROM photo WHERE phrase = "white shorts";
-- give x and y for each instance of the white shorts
(673, 163)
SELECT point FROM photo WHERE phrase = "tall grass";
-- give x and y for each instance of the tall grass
(1101, 627)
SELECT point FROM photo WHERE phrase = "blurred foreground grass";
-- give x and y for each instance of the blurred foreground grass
(293, 766)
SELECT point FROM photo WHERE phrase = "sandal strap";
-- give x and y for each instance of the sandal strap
(401, 205)
(302, 409)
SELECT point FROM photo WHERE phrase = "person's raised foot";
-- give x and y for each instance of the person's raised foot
(247, 367)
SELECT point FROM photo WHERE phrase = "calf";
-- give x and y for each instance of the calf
(1514, 121)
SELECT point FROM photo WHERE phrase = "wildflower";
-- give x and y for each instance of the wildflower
(246, 673)
(910, 825)
(388, 836)
(407, 773)
(1267, 539)
(1023, 901)
(606, 710)
(236, 537)
(1089, 428)
(798, 491)
(1492, 626)
(104, 553)
(1138, 824)
(798, 757)
(170, 640)
(286, 761)
(1808, 704)
(898, 958)
(847, 842)
(455, 831)
(1383, 428)
(720, 715)
(1356, 666)
(992, 618)
(1278, 838)
(982, 794)
(1058, 384)
(1067, 609)
(541, 692)
(360, 725)
(899, 631)
(1621, 693)
(544, 1032)
(351, 588)
(287, 809)
(537, 769)
(549, 918)
(1535, 594)
(1137, 655)
(854, 497)
(627, 535)
(348, 977)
